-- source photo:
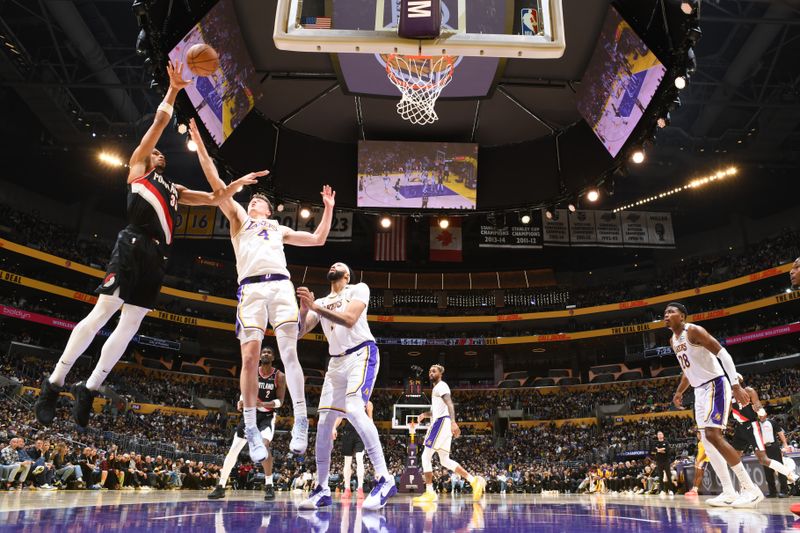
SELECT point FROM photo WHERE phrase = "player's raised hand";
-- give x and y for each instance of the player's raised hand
(194, 134)
(175, 72)
(306, 297)
(328, 196)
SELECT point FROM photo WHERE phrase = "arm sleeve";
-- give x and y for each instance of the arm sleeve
(360, 292)
(726, 361)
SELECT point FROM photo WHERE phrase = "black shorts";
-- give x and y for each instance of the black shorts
(263, 421)
(136, 268)
(351, 443)
(748, 436)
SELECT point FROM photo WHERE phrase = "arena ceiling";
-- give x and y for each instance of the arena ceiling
(72, 80)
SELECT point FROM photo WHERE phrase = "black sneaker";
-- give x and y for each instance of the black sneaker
(217, 493)
(82, 408)
(269, 492)
(45, 406)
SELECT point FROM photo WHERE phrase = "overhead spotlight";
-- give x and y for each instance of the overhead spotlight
(664, 121)
(572, 207)
(182, 128)
(593, 195)
(688, 6)
(444, 223)
(191, 145)
(525, 219)
(548, 214)
(638, 157)
(305, 212)
(386, 222)
(680, 82)
(110, 159)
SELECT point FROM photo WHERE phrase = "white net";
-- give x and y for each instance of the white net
(420, 80)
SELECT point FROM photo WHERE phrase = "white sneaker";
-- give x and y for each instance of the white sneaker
(791, 478)
(383, 490)
(258, 452)
(299, 441)
(723, 500)
(320, 497)
(748, 498)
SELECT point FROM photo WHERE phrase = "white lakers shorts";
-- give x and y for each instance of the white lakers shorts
(712, 403)
(260, 304)
(439, 435)
(348, 375)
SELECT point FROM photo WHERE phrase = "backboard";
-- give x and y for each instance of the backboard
(470, 28)
(402, 414)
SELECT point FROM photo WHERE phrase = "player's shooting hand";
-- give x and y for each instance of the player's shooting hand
(328, 196)
(677, 399)
(194, 133)
(740, 394)
(175, 72)
(455, 429)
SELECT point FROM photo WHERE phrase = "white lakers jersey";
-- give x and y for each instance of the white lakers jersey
(259, 248)
(438, 407)
(341, 338)
(698, 364)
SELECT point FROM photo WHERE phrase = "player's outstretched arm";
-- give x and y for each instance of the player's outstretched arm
(140, 159)
(229, 207)
(192, 197)
(320, 235)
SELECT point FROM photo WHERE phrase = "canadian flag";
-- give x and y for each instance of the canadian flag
(445, 243)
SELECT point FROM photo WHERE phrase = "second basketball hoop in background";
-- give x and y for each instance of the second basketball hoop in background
(420, 80)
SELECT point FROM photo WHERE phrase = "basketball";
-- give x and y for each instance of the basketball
(202, 60)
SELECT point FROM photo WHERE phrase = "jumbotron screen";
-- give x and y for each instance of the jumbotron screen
(619, 83)
(417, 175)
(223, 99)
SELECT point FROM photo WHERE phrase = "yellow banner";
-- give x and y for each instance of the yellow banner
(737, 282)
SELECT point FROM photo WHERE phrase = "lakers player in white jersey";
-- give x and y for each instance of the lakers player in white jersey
(709, 368)
(266, 295)
(439, 438)
(352, 371)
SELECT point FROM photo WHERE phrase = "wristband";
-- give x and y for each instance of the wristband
(166, 108)
(277, 403)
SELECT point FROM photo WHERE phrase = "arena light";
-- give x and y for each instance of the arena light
(680, 82)
(444, 223)
(638, 157)
(572, 207)
(525, 219)
(280, 207)
(182, 128)
(305, 212)
(110, 159)
(664, 121)
(593, 195)
(386, 222)
(548, 214)
(191, 145)
(693, 184)
(688, 6)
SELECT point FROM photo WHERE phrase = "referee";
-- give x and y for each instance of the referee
(770, 429)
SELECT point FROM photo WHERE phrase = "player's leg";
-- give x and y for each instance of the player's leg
(267, 434)
(363, 368)
(360, 471)
(760, 449)
(230, 461)
(79, 340)
(331, 405)
(427, 472)
(283, 314)
(478, 483)
(347, 474)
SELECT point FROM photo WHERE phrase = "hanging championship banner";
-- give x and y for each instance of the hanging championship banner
(200, 222)
(517, 235)
(341, 225)
(582, 231)
(179, 224)
(659, 230)
(222, 226)
(556, 230)
(609, 229)
(287, 217)
(634, 228)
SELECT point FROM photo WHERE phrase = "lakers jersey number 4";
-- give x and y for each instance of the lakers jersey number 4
(259, 248)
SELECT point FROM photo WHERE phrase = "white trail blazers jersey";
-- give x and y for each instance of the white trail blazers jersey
(699, 365)
(341, 338)
(259, 248)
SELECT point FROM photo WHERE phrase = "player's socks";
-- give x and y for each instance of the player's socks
(742, 476)
(249, 417)
(366, 429)
(323, 449)
(129, 321)
(286, 336)
(720, 467)
(428, 487)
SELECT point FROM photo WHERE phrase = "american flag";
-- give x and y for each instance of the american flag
(390, 244)
(316, 23)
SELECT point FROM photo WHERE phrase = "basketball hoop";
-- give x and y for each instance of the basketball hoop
(420, 80)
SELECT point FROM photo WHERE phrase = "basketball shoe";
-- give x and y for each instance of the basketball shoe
(723, 500)
(299, 441)
(45, 406)
(258, 452)
(320, 497)
(478, 485)
(383, 490)
(82, 408)
(426, 497)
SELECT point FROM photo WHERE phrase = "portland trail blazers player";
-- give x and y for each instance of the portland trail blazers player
(271, 392)
(137, 264)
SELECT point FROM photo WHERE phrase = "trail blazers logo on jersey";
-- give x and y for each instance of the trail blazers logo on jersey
(109, 281)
